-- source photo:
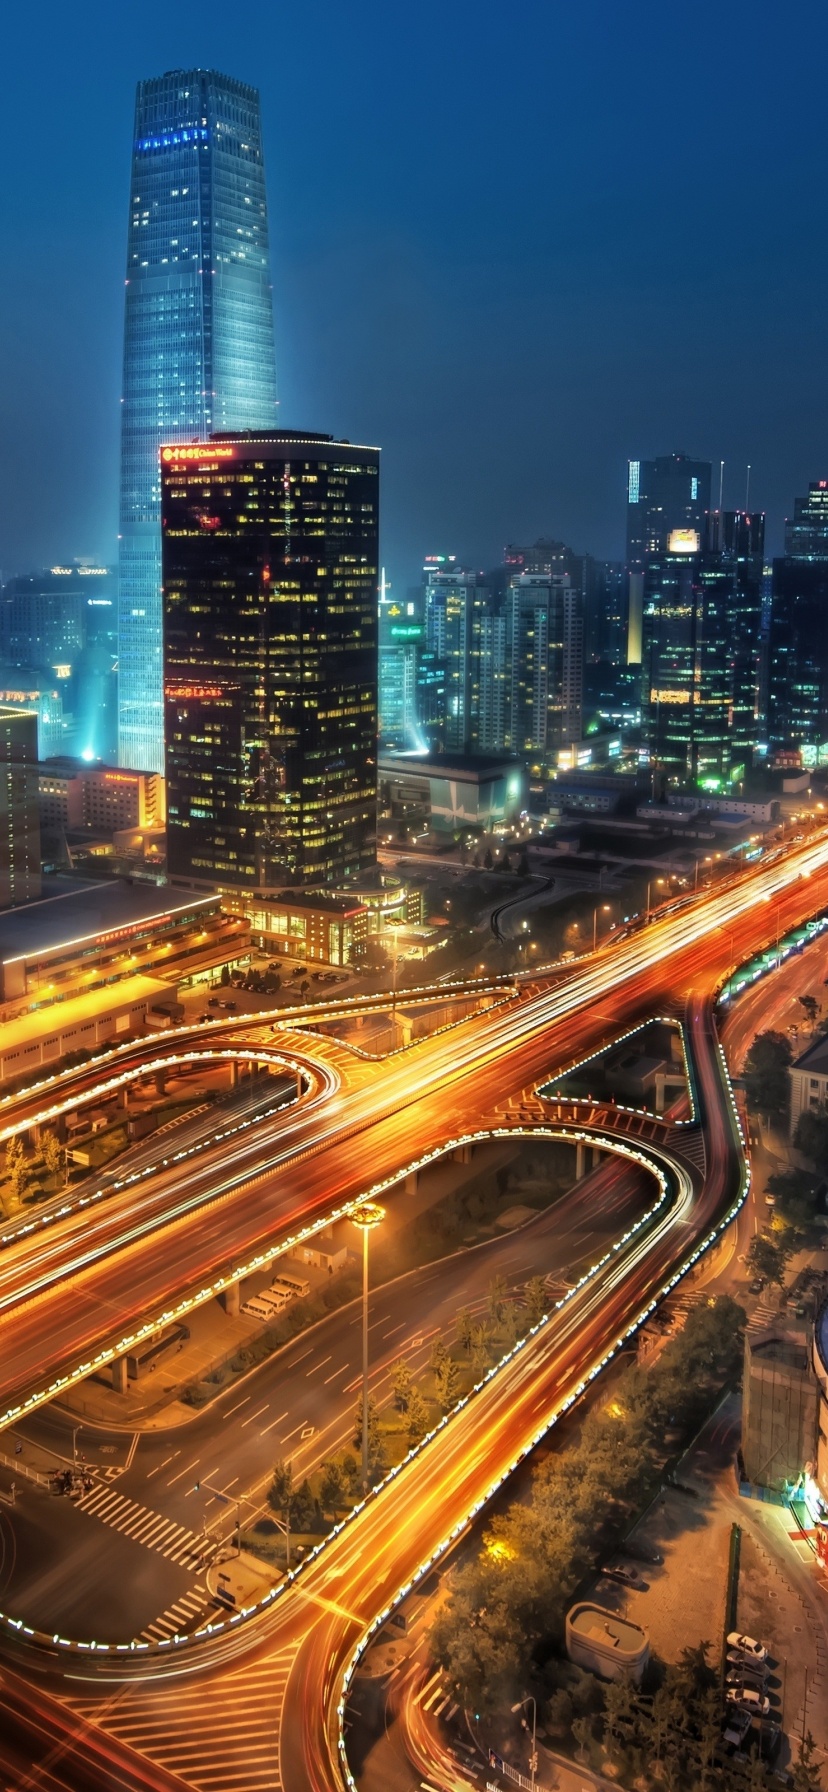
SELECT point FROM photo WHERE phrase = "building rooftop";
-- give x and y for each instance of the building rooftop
(464, 767)
(814, 1058)
(320, 899)
(88, 913)
(600, 1624)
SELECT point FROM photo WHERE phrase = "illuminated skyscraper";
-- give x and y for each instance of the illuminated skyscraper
(798, 647)
(198, 337)
(668, 496)
(270, 645)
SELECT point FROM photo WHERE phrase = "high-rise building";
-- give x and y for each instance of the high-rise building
(57, 625)
(453, 600)
(668, 497)
(198, 337)
(401, 635)
(270, 561)
(700, 664)
(798, 638)
(19, 813)
(545, 647)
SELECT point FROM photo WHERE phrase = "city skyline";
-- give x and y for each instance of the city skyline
(605, 338)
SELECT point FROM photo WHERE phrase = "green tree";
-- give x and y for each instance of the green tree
(811, 1138)
(534, 1298)
(303, 1507)
(447, 1380)
(16, 1165)
(582, 1732)
(768, 1256)
(465, 1329)
(496, 1299)
(438, 1354)
(402, 1382)
(332, 1487)
(281, 1491)
(559, 1713)
(480, 1350)
(766, 1074)
(806, 1776)
(417, 1416)
(811, 1007)
(373, 1423)
(51, 1152)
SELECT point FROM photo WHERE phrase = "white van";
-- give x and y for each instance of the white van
(292, 1287)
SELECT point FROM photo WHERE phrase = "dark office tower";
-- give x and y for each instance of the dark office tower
(690, 600)
(742, 549)
(452, 600)
(666, 497)
(798, 633)
(605, 611)
(198, 337)
(270, 658)
(19, 810)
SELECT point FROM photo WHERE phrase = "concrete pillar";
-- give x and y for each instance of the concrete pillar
(300, 1085)
(234, 1073)
(659, 1092)
(404, 1028)
(580, 1161)
(119, 1374)
(411, 1183)
(463, 1154)
(596, 1156)
(232, 1299)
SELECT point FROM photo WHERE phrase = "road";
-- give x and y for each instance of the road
(342, 1593)
(226, 1210)
(299, 1404)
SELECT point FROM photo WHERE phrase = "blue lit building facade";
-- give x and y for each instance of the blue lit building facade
(198, 338)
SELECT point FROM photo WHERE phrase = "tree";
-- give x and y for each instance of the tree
(417, 1416)
(447, 1380)
(505, 863)
(811, 1007)
(373, 1422)
(559, 1713)
(16, 1165)
(332, 1487)
(811, 1138)
(438, 1354)
(766, 1074)
(768, 1257)
(303, 1507)
(806, 1776)
(488, 861)
(523, 865)
(480, 1349)
(402, 1382)
(534, 1299)
(465, 1329)
(281, 1493)
(582, 1732)
(497, 1299)
(224, 979)
(51, 1152)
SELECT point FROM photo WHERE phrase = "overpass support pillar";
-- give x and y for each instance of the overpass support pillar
(300, 1086)
(596, 1156)
(463, 1154)
(119, 1374)
(232, 1299)
(234, 1073)
(659, 1093)
(411, 1183)
(580, 1161)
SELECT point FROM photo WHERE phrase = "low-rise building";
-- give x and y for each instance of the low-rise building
(19, 831)
(94, 936)
(809, 1081)
(600, 1641)
(307, 924)
(105, 798)
(452, 791)
(779, 1406)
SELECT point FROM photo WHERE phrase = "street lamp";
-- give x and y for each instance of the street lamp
(529, 1700)
(650, 882)
(368, 1215)
(604, 909)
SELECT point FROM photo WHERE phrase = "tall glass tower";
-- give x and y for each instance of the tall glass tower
(198, 338)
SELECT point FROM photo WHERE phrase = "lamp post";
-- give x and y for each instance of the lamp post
(650, 882)
(366, 1218)
(529, 1700)
(604, 909)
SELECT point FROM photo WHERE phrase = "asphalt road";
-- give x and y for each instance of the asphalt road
(64, 1569)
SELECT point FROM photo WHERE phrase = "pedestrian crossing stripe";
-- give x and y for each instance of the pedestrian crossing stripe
(143, 1525)
(180, 1617)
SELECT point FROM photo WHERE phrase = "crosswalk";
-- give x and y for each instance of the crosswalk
(227, 1741)
(183, 1616)
(148, 1527)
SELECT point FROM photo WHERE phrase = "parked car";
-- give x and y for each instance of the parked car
(623, 1571)
(742, 1674)
(749, 1699)
(747, 1645)
(757, 1285)
(745, 1664)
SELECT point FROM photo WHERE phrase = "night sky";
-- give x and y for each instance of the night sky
(513, 245)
